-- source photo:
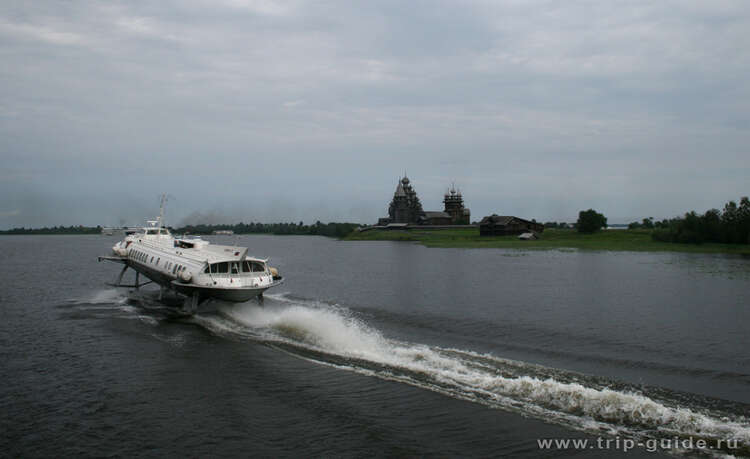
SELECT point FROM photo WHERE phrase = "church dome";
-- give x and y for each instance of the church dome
(405, 180)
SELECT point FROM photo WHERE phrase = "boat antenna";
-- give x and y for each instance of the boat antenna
(161, 209)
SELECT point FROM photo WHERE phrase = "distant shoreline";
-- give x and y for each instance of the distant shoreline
(33, 232)
(330, 229)
(201, 235)
(615, 240)
(552, 239)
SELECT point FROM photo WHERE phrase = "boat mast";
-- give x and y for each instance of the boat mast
(161, 210)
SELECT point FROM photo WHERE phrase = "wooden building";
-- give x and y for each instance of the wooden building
(405, 207)
(454, 207)
(504, 225)
(435, 218)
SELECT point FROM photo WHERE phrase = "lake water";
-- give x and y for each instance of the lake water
(375, 348)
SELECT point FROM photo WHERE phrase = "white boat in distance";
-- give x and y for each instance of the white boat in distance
(192, 266)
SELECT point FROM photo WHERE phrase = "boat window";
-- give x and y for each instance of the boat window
(206, 270)
(152, 232)
(152, 258)
(235, 268)
(220, 268)
(174, 270)
(157, 261)
(252, 266)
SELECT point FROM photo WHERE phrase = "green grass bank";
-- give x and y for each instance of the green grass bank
(611, 240)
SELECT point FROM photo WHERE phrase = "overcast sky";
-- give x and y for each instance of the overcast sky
(287, 111)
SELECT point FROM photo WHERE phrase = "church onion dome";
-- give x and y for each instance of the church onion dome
(405, 180)
(399, 191)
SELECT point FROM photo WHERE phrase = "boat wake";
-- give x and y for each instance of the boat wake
(335, 336)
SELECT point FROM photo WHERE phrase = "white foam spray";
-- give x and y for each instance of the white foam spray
(337, 332)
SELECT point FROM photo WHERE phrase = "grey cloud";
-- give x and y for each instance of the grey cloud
(265, 111)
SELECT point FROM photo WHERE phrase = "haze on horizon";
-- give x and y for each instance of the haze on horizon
(287, 111)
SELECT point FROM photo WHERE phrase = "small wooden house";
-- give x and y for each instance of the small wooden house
(504, 225)
(435, 218)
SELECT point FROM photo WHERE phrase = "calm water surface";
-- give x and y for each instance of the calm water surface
(374, 348)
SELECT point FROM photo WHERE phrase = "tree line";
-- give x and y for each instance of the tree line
(331, 229)
(729, 226)
(55, 230)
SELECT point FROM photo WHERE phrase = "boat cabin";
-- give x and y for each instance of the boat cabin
(244, 267)
(156, 231)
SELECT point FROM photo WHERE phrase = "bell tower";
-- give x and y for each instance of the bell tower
(454, 206)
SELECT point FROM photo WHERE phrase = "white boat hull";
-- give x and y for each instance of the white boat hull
(234, 295)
